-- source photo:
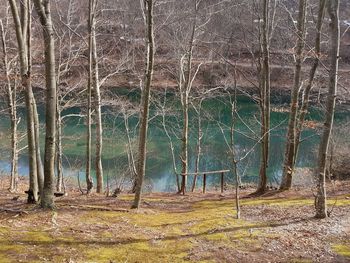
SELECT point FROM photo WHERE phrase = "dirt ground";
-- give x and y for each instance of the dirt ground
(278, 227)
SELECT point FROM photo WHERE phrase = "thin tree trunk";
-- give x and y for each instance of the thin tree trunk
(185, 92)
(237, 182)
(97, 96)
(59, 154)
(320, 202)
(306, 93)
(11, 97)
(199, 143)
(89, 181)
(44, 13)
(184, 146)
(265, 101)
(171, 146)
(290, 154)
(233, 152)
(39, 165)
(131, 158)
(21, 27)
(14, 141)
(141, 168)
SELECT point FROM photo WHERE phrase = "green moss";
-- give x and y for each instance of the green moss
(9, 251)
(147, 235)
(96, 216)
(338, 202)
(106, 234)
(144, 251)
(247, 234)
(211, 221)
(37, 236)
(221, 237)
(4, 231)
(147, 198)
(278, 202)
(9, 247)
(293, 202)
(341, 249)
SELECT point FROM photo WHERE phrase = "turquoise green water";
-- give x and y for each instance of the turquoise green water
(160, 174)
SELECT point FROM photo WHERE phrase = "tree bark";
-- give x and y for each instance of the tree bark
(97, 95)
(306, 93)
(21, 28)
(185, 88)
(59, 153)
(171, 145)
(232, 146)
(290, 154)
(265, 100)
(199, 142)
(39, 163)
(184, 146)
(43, 9)
(148, 6)
(89, 181)
(11, 100)
(320, 202)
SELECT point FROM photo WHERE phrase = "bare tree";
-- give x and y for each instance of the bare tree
(94, 81)
(44, 12)
(148, 6)
(91, 27)
(290, 153)
(66, 57)
(185, 85)
(304, 105)
(264, 74)
(22, 27)
(11, 98)
(198, 109)
(320, 202)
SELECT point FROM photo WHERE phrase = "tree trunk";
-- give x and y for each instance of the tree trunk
(232, 146)
(33, 168)
(185, 89)
(171, 145)
(44, 13)
(97, 95)
(184, 146)
(59, 154)
(320, 202)
(39, 164)
(290, 154)
(21, 28)
(199, 143)
(148, 6)
(89, 181)
(306, 93)
(11, 100)
(265, 101)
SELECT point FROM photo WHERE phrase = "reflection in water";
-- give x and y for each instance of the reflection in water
(160, 175)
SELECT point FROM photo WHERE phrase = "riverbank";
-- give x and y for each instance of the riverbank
(278, 227)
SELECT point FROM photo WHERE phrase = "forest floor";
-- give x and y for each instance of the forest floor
(277, 227)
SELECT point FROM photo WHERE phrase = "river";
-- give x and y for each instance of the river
(159, 172)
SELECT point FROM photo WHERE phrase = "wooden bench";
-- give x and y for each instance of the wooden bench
(204, 174)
